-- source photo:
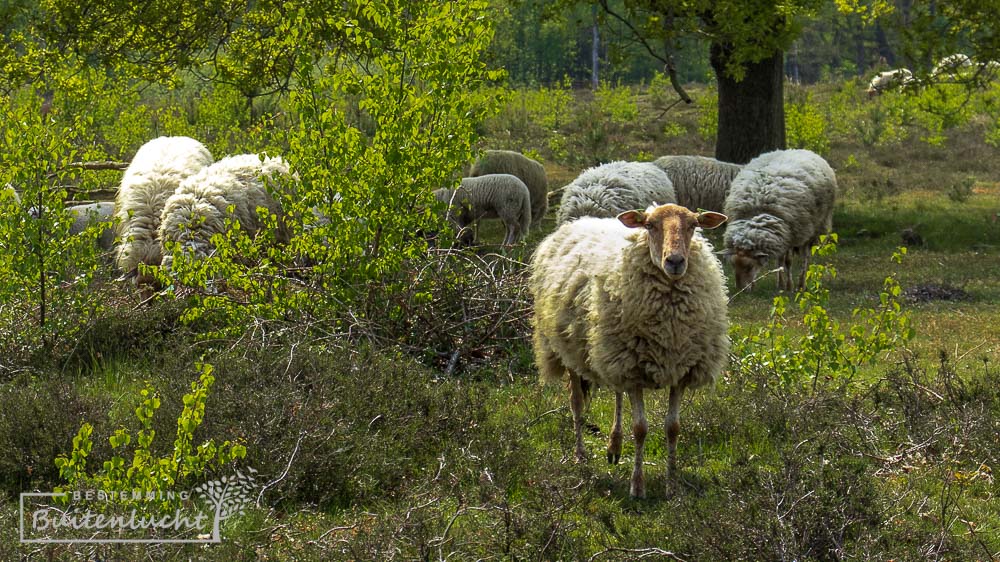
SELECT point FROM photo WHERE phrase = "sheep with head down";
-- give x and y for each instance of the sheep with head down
(232, 188)
(155, 172)
(631, 303)
(528, 170)
(778, 207)
(493, 196)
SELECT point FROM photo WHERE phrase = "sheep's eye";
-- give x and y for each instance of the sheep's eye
(650, 226)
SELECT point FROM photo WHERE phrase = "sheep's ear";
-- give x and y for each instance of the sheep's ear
(710, 219)
(633, 219)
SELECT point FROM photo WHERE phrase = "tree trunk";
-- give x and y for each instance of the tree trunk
(751, 111)
(884, 49)
(595, 54)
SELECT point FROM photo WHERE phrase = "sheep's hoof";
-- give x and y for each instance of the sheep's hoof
(637, 492)
(613, 457)
(581, 456)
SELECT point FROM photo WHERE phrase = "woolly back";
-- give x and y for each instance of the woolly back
(699, 182)
(760, 233)
(155, 172)
(200, 206)
(795, 186)
(613, 188)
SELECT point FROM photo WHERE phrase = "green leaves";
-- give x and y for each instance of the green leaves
(823, 349)
(146, 471)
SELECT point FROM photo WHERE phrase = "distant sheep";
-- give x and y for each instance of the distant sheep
(100, 213)
(526, 169)
(699, 182)
(153, 175)
(631, 303)
(200, 206)
(496, 196)
(778, 206)
(889, 80)
(611, 189)
(951, 67)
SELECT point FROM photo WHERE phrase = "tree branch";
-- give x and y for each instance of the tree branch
(666, 59)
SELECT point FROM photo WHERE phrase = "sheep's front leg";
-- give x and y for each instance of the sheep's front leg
(615, 440)
(576, 401)
(805, 265)
(673, 429)
(785, 277)
(637, 488)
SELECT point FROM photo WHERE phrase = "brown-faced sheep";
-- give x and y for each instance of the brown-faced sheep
(633, 303)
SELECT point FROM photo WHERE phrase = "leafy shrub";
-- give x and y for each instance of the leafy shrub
(826, 351)
(806, 127)
(618, 103)
(185, 464)
(708, 114)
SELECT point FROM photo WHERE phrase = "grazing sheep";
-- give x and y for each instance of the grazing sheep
(631, 303)
(101, 213)
(527, 170)
(493, 196)
(699, 182)
(778, 206)
(611, 189)
(951, 67)
(200, 206)
(889, 80)
(153, 175)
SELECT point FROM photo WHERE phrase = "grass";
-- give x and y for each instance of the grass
(385, 458)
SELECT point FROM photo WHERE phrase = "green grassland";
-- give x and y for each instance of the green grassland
(372, 448)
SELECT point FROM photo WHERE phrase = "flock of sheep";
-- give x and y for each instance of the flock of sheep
(948, 69)
(628, 294)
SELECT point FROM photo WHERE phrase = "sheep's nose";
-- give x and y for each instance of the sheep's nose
(675, 264)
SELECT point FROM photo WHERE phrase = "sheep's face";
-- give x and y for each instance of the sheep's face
(670, 229)
(747, 265)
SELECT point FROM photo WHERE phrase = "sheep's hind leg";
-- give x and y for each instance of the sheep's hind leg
(672, 425)
(512, 234)
(637, 487)
(615, 440)
(576, 403)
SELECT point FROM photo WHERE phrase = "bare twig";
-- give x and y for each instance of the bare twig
(288, 467)
(638, 553)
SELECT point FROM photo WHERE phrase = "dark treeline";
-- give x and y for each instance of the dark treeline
(542, 42)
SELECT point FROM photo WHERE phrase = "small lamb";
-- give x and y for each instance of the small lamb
(530, 171)
(631, 303)
(493, 196)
